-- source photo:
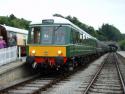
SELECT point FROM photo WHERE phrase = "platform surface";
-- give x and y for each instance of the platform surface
(122, 53)
(11, 65)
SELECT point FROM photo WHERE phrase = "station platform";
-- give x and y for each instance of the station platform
(10, 66)
(12, 71)
(122, 53)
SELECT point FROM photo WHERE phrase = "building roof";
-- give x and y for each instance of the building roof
(17, 30)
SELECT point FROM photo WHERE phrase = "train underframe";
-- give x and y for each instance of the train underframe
(59, 62)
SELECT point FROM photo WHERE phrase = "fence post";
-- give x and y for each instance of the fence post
(19, 50)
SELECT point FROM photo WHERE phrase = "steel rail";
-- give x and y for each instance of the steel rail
(54, 81)
(119, 73)
(95, 76)
(12, 85)
(49, 84)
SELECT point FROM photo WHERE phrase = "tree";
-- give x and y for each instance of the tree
(122, 44)
(110, 32)
(14, 21)
(12, 17)
(86, 28)
(92, 31)
(123, 36)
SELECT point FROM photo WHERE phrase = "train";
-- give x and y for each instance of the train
(57, 43)
(14, 37)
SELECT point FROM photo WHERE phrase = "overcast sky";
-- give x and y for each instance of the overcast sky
(90, 12)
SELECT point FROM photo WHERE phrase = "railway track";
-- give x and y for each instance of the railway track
(36, 84)
(108, 79)
(121, 64)
(76, 83)
(33, 85)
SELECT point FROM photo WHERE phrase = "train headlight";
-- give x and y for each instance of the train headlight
(33, 51)
(59, 52)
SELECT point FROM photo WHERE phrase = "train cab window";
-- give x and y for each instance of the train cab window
(47, 33)
(35, 35)
(53, 35)
(59, 35)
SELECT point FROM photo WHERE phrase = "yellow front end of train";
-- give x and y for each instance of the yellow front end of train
(46, 56)
(47, 51)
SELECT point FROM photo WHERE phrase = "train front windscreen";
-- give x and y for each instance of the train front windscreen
(47, 35)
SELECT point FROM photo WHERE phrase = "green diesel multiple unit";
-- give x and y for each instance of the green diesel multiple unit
(57, 43)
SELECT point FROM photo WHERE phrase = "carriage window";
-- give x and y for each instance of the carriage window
(47, 33)
(12, 38)
(35, 35)
(59, 35)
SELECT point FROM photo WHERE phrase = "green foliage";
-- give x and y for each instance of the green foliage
(12, 17)
(123, 36)
(122, 44)
(88, 29)
(105, 33)
(110, 32)
(14, 22)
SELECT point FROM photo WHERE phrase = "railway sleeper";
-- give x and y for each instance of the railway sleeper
(106, 91)
(106, 87)
(104, 84)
